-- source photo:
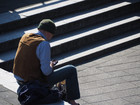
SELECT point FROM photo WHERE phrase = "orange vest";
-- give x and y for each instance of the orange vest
(26, 64)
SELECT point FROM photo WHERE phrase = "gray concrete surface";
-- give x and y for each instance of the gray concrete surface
(110, 80)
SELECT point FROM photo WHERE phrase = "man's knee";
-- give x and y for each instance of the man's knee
(72, 69)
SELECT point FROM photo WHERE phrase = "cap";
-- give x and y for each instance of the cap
(47, 25)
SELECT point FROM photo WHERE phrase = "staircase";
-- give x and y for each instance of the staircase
(86, 29)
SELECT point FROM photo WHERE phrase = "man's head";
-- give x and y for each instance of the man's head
(48, 27)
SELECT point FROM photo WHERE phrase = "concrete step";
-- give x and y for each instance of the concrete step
(100, 49)
(73, 22)
(34, 14)
(93, 34)
(81, 38)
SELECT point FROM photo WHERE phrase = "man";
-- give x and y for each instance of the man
(33, 61)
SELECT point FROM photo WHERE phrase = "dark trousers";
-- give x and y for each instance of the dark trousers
(68, 73)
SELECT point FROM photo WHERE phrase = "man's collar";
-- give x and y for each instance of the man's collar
(39, 33)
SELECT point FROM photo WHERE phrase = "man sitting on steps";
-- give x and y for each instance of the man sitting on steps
(33, 61)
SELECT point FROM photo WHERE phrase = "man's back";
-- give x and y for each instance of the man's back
(26, 63)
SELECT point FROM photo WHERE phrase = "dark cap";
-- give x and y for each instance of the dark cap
(47, 25)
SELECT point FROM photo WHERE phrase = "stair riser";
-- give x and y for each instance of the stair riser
(11, 44)
(8, 66)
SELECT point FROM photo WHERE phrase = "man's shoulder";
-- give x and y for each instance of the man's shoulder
(32, 39)
(44, 43)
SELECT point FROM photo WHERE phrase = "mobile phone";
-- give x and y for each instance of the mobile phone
(54, 62)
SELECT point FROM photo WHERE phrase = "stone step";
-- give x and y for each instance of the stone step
(73, 22)
(93, 34)
(100, 49)
(80, 39)
(34, 14)
(8, 90)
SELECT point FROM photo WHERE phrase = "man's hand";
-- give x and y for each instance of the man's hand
(53, 63)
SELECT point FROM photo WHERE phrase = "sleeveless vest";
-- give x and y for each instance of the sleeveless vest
(26, 64)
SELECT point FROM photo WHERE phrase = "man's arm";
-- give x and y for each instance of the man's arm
(44, 55)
